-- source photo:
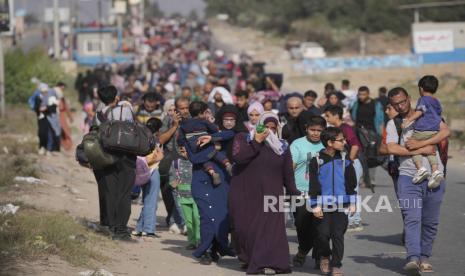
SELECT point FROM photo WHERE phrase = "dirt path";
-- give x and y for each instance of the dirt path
(72, 188)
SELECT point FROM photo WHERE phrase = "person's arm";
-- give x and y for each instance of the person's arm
(444, 133)
(398, 150)
(351, 183)
(273, 86)
(288, 172)
(314, 182)
(353, 154)
(417, 114)
(392, 140)
(223, 136)
(172, 175)
(243, 151)
(383, 150)
(295, 154)
(200, 157)
(166, 136)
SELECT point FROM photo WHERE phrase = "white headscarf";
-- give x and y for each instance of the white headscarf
(274, 141)
(227, 98)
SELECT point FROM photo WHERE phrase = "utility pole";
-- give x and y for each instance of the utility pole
(142, 13)
(2, 81)
(100, 29)
(56, 30)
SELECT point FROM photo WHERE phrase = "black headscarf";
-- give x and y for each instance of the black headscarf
(239, 127)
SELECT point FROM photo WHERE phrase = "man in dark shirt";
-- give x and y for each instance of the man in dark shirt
(368, 116)
(242, 103)
(291, 129)
(309, 100)
(382, 98)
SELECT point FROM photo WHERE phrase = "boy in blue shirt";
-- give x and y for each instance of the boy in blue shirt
(427, 119)
(302, 150)
(332, 190)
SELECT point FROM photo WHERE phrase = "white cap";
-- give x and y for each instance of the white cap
(43, 87)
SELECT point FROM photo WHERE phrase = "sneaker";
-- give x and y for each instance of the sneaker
(184, 230)
(174, 229)
(206, 259)
(136, 233)
(150, 235)
(435, 179)
(216, 179)
(421, 175)
(42, 151)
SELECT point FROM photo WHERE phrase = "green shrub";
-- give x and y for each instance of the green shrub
(21, 67)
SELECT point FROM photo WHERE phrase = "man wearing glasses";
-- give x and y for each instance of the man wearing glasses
(419, 205)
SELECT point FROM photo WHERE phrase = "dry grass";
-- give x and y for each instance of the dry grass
(31, 234)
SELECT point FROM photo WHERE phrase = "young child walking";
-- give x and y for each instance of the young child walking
(427, 118)
(332, 191)
(181, 179)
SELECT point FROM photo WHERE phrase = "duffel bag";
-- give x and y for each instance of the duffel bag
(129, 137)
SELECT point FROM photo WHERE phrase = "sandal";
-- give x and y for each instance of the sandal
(337, 271)
(426, 267)
(412, 268)
(324, 265)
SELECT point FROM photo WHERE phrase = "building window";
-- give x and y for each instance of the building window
(93, 46)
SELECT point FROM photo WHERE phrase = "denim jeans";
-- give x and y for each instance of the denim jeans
(356, 218)
(148, 215)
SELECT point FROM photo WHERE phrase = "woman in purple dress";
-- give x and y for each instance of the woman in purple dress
(263, 167)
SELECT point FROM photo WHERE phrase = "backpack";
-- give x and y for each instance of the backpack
(81, 157)
(370, 142)
(130, 137)
(393, 164)
(142, 171)
(90, 152)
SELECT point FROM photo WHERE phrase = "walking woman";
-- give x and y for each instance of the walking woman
(263, 167)
(211, 201)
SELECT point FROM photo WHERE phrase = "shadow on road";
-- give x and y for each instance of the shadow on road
(395, 239)
(394, 264)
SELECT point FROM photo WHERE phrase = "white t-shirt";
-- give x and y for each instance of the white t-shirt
(407, 167)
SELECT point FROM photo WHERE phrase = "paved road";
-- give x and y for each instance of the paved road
(377, 249)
